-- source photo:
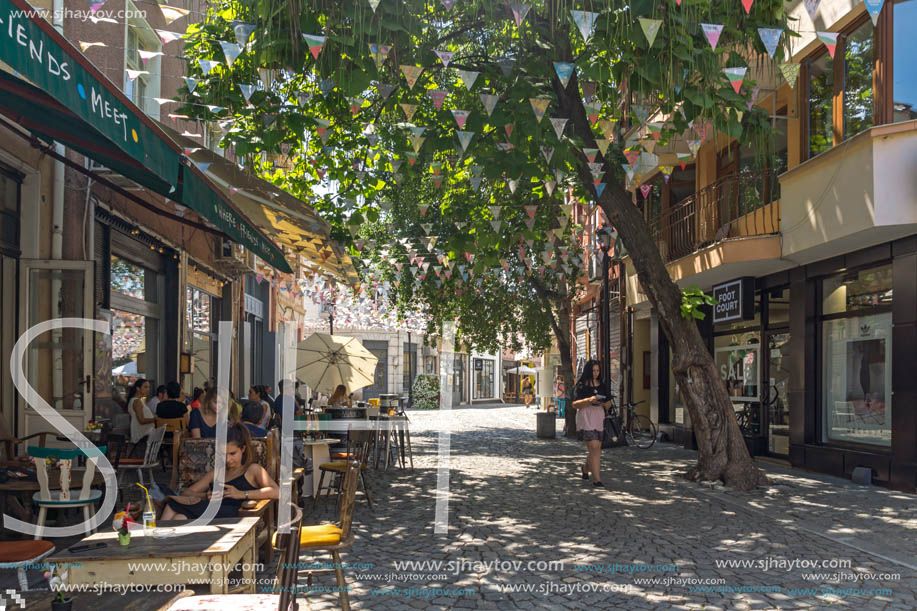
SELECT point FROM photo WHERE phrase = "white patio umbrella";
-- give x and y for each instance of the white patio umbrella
(324, 361)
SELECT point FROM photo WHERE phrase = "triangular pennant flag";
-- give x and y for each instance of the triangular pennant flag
(746, 4)
(417, 142)
(495, 211)
(231, 50)
(683, 159)
(475, 184)
(631, 157)
(207, 65)
(650, 28)
(411, 73)
(506, 65)
(191, 83)
(445, 57)
(592, 111)
(602, 143)
(409, 110)
(712, 31)
(315, 43)
(513, 184)
(427, 227)
(590, 154)
(549, 186)
(645, 189)
(356, 104)
(146, 55)
(509, 129)
(95, 5)
(874, 7)
(379, 54)
(490, 102)
(247, 91)
(166, 36)
(564, 71)
(374, 4)
(326, 86)
(172, 13)
(559, 125)
(133, 74)
(790, 72)
(811, 8)
(460, 117)
(694, 146)
(666, 171)
(396, 164)
(548, 152)
(464, 139)
(496, 225)
(438, 96)
(448, 4)
(735, 76)
(628, 170)
(830, 40)
(468, 78)
(585, 21)
(770, 37)
(531, 210)
(385, 90)
(243, 31)
(520, 10)
(599, 189)
(607, 127)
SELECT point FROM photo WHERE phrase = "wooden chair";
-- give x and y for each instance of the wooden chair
(333, 538)
(150, 458)
(196, 459)
(175, 430)
(10, 442)
(21, 555)
(284, 582)
(45, 498)
(358, 443)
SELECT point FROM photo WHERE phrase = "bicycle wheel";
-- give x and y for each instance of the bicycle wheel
(642, 431)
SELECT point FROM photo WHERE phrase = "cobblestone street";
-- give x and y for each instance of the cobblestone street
(519, 502)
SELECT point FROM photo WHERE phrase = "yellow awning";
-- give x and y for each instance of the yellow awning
(289, 221)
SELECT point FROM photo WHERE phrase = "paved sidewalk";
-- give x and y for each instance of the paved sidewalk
(518, 499)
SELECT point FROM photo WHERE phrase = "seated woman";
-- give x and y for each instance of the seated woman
(244, 480)
(203, 422)
(340, 398)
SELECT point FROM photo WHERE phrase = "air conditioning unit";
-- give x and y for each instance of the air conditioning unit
(111, 176)
(595, 268)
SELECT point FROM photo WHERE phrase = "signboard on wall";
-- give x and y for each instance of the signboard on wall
(734, 300)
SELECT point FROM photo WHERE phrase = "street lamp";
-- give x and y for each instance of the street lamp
(606, 238)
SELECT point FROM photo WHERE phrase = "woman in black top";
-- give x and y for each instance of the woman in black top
(244, 480)
(591, 398)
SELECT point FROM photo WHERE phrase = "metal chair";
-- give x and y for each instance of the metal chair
(66, 497)
(358, 442)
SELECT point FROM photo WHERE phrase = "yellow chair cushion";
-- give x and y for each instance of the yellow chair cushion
(319, 534)
(338, 465)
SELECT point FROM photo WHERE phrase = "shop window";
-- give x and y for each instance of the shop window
(857, 290)
(821, 96)
(857, 379)
(9, 212)
(904, 69)
(778, 307)
(135, 317)
(859, 60)
(200, 309)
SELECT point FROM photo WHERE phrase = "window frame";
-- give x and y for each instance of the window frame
(881, 83)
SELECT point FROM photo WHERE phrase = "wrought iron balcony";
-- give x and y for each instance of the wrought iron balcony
(739, 205)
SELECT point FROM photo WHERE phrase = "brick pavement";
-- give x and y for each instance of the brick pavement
(517, 498)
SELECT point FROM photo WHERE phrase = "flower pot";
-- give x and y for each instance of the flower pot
(124, 539)
(61, 605)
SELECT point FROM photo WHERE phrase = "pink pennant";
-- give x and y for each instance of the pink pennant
(645, 189)
(747, 4)
(531, 210)
(460, 117)
(712, 31)
(830, 40)
(509, 129)
(439, 96)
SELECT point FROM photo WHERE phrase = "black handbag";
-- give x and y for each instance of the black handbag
(612, 436)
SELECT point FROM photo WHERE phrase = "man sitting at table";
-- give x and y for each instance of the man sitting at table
(173, 407)
(251, 417)
(245, 480)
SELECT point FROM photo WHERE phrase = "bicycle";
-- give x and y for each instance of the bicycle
(639, 430)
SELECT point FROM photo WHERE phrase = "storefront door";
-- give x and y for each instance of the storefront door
(458, 380)
(57, 363)
(380, 377)
(777, 411)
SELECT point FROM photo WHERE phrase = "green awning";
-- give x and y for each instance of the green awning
(62, 96)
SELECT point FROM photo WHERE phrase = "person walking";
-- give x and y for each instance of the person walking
(591, 398)
(527, 391)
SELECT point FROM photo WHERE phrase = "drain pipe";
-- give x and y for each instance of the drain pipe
(57, 243)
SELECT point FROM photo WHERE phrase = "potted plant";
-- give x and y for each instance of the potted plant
(57, 581)
(124, 534)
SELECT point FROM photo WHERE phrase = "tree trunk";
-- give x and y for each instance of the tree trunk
(722, 452)
(558, 310)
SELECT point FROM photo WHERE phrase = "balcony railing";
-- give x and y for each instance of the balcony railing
(739, 205)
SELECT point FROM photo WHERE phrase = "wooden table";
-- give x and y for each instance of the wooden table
(108, 601)
(317, 450)
(196, 554)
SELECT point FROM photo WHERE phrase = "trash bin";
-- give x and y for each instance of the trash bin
(545, 427)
